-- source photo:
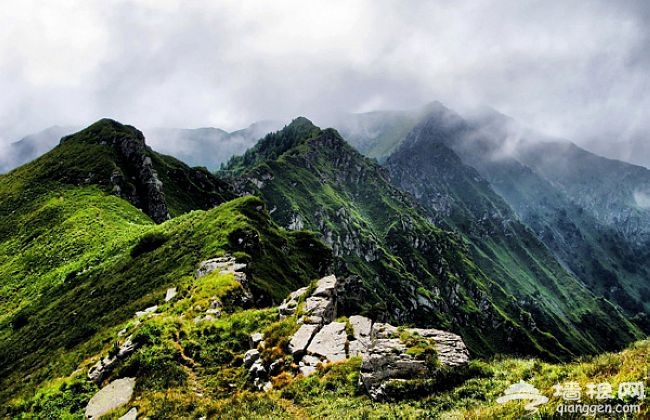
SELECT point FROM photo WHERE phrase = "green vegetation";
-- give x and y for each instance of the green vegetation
(477, 281)
(77, 262)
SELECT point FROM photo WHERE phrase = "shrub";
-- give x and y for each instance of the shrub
(149, 242)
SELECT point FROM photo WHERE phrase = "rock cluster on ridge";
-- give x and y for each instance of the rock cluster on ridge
(389, 354)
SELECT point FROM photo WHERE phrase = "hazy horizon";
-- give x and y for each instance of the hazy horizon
(571, 69)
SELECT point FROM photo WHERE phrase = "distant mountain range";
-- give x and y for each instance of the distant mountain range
(208, 147)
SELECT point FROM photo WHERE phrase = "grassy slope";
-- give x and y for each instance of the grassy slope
(68, 276)
(189, 370)
(400, 256)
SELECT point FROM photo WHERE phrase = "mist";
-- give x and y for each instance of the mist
(570, 69)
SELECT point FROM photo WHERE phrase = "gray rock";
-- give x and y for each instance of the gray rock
(257, 370)
(250, 357)
(224, 265)
(132, 414)
(171, 293)
(112, 396)
(255, 339)
(102, 368)
(380, 330)
(149, 310)
(301, 339)
(143, 189)
(326, 287)
(309, 360)
(306, 370)
(289, 306)
(274, 368)
(319, 310)
(379, 368)
(330, 342)
(450, 347)
(357, 348)
(385, 361)
(362, 328)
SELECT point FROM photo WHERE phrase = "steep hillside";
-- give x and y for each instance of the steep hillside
(616, 193)
(456, 195)
(407, 270)
(78, 259)
(599, 252)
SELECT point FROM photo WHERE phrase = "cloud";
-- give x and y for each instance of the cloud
(574, 69)
(642, 199)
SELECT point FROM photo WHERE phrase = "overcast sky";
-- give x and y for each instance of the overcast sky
(577, 69)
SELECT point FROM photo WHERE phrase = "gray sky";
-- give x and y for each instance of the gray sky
(577, 69)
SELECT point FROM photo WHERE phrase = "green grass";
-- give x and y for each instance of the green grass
(478, 285)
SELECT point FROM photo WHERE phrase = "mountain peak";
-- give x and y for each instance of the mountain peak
(104, 131)
(303, 122)
(299, 131)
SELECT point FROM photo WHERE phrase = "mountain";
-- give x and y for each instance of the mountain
(588, 210)
(581, 206)
(31, 147)
(208, 147)
(85, 242)
(135, 286)
(374, 133)
(406, 269)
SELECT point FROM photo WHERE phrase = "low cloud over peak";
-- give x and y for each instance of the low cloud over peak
(571, 69)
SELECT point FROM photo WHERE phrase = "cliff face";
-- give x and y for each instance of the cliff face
(116, 157)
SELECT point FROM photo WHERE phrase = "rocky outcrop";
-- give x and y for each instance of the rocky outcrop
(101, 369)
(225, 265)
(390, 355)
(112, 396)
(330, 343)
(139, 182)
(396, 356)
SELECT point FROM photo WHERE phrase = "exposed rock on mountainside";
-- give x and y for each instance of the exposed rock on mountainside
(136, 181)
(390, 355)
(112, 396)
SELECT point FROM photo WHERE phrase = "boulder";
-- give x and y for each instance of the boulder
(330, 342)
(380, 330)
(112, 396)
(319, 310)
(306, 370)
(301, 339)
(289, 306)
(250, 357)
(361, 328)
(378, 369)
(326, 287)
(102, 368)
(257, 370)
(255, 339)
(149, 310)
(171, 293)
(132, 414)
(386, 362)
(357, 348)
(225, 264)
(451, 349)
